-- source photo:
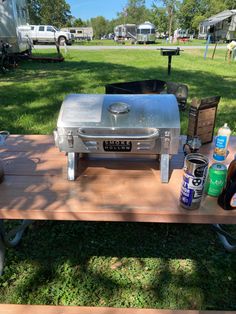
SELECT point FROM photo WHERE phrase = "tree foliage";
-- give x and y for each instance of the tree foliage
(56, 12)
(189, 11)
(166, 13)
(171, 8)
(135, 12)
(99, 25)
(34, 7)
(192, 12)
(159, 18)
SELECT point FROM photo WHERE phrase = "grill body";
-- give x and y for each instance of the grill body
(118, 125)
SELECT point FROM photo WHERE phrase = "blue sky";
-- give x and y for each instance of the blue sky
(85, 9)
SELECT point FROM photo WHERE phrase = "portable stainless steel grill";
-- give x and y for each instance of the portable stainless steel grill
(118, 125)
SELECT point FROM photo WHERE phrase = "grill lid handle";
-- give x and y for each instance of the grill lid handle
(83, 135)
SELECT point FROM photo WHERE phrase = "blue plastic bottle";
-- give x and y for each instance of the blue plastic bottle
(221, 143)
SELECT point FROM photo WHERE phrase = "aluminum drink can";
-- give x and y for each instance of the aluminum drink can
(216, 179)
(195, 171)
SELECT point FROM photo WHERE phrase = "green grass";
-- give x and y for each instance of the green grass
(116, 264)
(159, 42)
(32, 95)
(120, 265)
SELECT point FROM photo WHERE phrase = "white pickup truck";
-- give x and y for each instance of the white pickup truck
(49, 34)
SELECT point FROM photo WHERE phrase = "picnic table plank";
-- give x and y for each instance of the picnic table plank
(46, 309)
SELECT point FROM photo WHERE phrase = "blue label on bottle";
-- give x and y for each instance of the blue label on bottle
(218, 157)
(220, 148)
(221, 141)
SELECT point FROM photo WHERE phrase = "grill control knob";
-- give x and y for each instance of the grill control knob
(119, 108)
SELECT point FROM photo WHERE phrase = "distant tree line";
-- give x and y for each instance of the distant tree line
(166, 15)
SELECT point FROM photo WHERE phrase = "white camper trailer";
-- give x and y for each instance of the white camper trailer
(125, 31)
(221, 26)
(146, 33)
(13, 24)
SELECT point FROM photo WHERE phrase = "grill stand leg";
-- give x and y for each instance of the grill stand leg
(72, 159)
(165, 165)
(11, 238)
(169, 64)
(226, 239)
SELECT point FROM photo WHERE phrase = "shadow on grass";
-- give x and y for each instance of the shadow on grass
(125, 265)
(35, 91)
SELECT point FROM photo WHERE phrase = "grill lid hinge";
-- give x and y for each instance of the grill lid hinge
(70, 139)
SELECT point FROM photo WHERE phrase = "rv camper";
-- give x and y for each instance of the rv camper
(146, 33)
(13, 24)
(80, 33)
(125, 31)
(221, 26)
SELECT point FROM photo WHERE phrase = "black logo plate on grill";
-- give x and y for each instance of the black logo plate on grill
(117, 146)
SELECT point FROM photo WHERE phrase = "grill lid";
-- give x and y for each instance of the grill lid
(119, 111)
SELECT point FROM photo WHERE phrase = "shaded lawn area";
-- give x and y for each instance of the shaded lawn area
(120, 265)
(116, 264)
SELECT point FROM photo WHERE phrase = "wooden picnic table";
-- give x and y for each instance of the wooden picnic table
(36, 187)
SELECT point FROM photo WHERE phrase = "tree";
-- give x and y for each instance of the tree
(189, 12)
(99, 25)
(55, 12)
(135, 12)
(159, 18)
(78, 22)
(34, 7)
(171, 8)
(230, 4)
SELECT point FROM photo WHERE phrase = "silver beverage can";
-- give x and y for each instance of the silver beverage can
(195, 171)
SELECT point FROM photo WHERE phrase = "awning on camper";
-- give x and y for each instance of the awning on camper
(218, 18)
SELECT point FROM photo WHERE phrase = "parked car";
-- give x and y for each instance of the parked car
(49, 34)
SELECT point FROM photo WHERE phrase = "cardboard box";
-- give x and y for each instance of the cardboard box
(202, 116)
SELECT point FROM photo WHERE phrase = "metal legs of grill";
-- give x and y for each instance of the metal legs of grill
(164, 166)
(72, 160)
(11, 238)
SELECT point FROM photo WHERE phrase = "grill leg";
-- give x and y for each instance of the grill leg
(165, 164)
(11, 238)
(72, 160)
(169, 64)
